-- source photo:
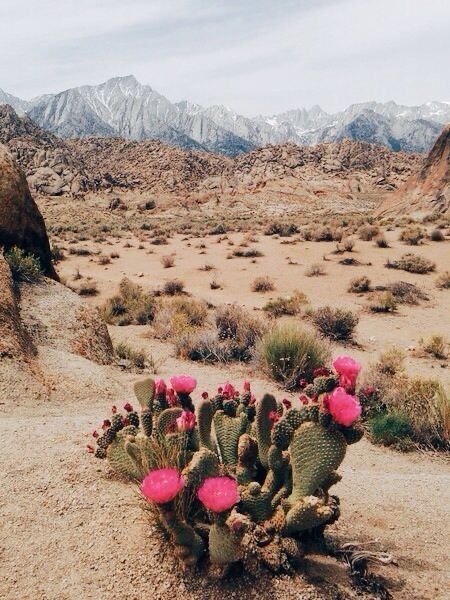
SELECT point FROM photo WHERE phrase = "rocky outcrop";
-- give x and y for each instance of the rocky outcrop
(48, 163)
(427, 190)
(21, 223)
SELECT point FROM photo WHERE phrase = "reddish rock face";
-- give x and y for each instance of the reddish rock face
(21, 223)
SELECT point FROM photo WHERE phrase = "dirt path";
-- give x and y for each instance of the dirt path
(70, 530)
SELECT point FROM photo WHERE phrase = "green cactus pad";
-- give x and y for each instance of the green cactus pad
(263, 426)
(167, 420)
(282, 433)
(228, 431)
(205, 413)
(144, 391)
(120, 461)
(224, 546)
(308, 513)
(203, 464)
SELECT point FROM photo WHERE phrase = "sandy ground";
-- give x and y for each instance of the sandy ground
(285, 264)
(71, 530)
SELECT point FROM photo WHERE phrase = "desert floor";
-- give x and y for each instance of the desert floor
(71, 530)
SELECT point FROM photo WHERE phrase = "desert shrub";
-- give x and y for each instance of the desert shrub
(412, 236)
(437, 346)
(250, 253)
(383, 303)
(263, 284)
(315, 270)
(57, 254)
(80, 251)
(288, 353)
(173, 287)
(368, 232)
(203, 346)
(347, 244)
(168, 261)
(412, 263)
(220, 229)
(238, 325)
(406, 293)
(381, 241)
(215, 285)
(114, 255)
(86, 288)
(207, 267)
(104, 260)
(179, 316)
(437, 236)
(391, 429)
(443, 281)
(359, 285)
(291, 305)
(130, 306)
(24, 267)
(160, 240)
(335, 323)
(137, 358)
(281, 229)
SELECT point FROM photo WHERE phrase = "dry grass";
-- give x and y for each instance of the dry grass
(315, 270)
(263, 284)
(130, 306)
(173, 287)
(335, 323)
(383, 303)
(168, 261)
(359, 285)
(412, 236)
(368, 232)
(412, 263)
(436, 346)
(443, 281)
(291, 305)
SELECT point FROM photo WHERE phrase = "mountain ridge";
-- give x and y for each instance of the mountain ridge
(123, 107)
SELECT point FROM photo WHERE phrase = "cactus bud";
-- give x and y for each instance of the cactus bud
(128, 407)
(106, 423)
(113, 409)
(95, 433)
(90, 449)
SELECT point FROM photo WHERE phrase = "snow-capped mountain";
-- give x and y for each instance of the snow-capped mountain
(123, 107)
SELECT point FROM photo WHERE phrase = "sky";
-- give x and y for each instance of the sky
(255, 56)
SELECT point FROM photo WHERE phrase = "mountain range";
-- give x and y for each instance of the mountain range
(123, 107)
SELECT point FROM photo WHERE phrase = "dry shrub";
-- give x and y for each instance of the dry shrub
(368, 232)
(178, 316)
(281, 229)
(358, 285)
(168, 261)
(315, 270)
(288, 353)
(250, 253)
(130, 306)
(443, 281)
(136, 358)
(412, 263)
(437, 236)
(86, 288)
(406, 293)
(263, 284)
(347, 244)
(383, 303)
(104, 260)
(335, 323)
(292, 305)
(437, 346)
(323, 234)
(173, 287)
(235, 323)
(412, 235)
(381, 241)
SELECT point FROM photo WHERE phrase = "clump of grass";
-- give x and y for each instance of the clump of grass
(207, 267)
(412, 236)
(335, 323)
(381, 241)
(359, 285)
(437, 236)
(24, 267)
(250, 253)
(391, 429)
(137, 358)
(346, 245)
(406, 293)
(263, 284)
(443, 281)
(291, 305)
(281, 229)
(436, 346)
(168, 261)
(80, 251)
(315, 270)
(86, 288)
(178, 316)
(173, 287)
(383, 303)
(288, 353)
(368, 232)
(57, 254)
(412, 263)
(130, 306)
(104, 260)
(238, 325)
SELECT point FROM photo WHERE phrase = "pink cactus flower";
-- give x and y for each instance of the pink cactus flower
(128, 407)
(273, 416)
(368, 390)
(228, 389)
(246, 386)
(106, 423)
(344, 408)
(160, 386)
(286, 403)
(348, 369)
(303, 399)
(125, 421)
(218, 493)
(186, 421)
(219, 389)
(162, 485)
(183, 384)
(303, 383)
(171, 397)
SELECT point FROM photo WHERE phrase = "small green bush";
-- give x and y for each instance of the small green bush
(24, 267)
(390, 428)
(335, 323)
(288, 353)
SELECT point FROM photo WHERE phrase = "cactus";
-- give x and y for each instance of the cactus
(275, 464)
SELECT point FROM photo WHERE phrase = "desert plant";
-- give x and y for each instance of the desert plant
(368, 232)
(412, 236)
(130, 306)
(335, 323)
(381, 241)
(168, 261)
(57, 254)
(437, 236)
(250, 253)
(406, 293)
(173, 287)
(291, 305)
(412, 263)
(204, 473)
(437, 346)
(86, 287)
(289, 353)
(359, 285)
(137, 358)
(179, 316)
(391, 429)
(383, 303)
(263, 284)
(443, 281)
(315, 270)
(24, 267)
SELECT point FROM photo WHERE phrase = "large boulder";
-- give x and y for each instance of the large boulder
(21, 223)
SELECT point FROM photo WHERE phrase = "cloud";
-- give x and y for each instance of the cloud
(258, 56)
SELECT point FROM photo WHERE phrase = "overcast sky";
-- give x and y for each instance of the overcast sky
(255, 56)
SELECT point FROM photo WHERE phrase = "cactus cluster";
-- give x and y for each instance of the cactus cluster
(235, 478)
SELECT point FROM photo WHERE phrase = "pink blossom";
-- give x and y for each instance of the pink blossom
(344, 408)
(274, 416)
(287, 403)
(303, 399)
(218, 493)
(252, 399)
(128, 407)
(183, 384)
(160, 386)
(303, 383)
(113, 409)
(106, 423)
(95, 433)
(348, 369)
(162, 485)
(186, 421)
(246, 386)
(170, 397)
(228, 390)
